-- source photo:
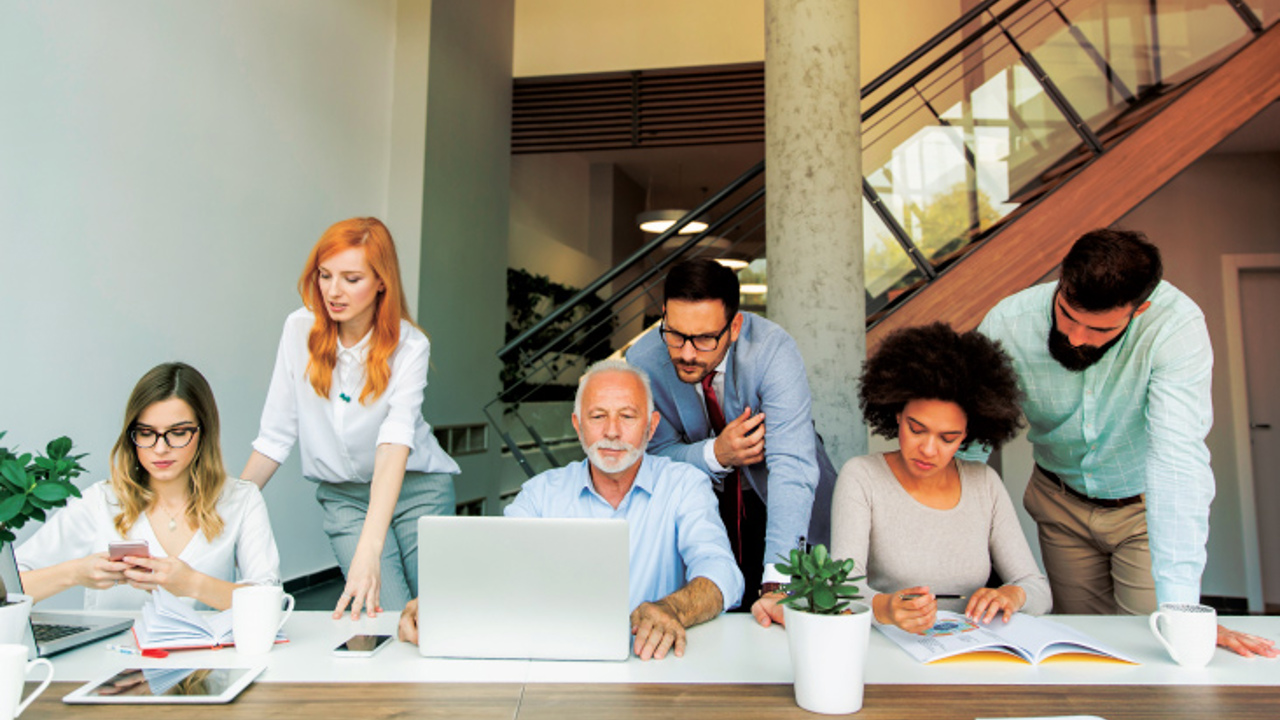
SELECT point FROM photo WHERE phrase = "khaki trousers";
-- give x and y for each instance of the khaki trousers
(1097, 558)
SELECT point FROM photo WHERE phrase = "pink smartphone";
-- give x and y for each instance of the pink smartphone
(116, 551)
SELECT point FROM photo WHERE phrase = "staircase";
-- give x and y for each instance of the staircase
(986, 152)
(1144, 155)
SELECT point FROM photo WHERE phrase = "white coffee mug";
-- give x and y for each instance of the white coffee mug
(1188, 631)
(14, 670)
(15, 619)
(257, 614)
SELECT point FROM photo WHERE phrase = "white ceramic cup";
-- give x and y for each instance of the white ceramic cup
(1188, 631)
(15, 619)
(257, 614)
(14, 670)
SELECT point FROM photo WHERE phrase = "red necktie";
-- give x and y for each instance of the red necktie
(731, 508)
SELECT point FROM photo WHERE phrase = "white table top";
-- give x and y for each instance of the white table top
(730, 649)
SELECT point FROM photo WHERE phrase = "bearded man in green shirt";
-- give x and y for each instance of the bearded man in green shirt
(1116, 366)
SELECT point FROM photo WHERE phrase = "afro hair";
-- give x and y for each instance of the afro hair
(934, 362)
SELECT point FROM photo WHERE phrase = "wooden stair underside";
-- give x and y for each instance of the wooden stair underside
(1100, 194)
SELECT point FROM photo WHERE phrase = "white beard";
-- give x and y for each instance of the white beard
(609, 465)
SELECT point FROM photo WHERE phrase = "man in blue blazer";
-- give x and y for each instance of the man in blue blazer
(713, 366)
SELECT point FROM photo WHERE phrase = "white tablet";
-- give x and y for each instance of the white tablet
(165, 685)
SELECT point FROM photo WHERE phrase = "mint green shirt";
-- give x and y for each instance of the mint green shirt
(1133, 423)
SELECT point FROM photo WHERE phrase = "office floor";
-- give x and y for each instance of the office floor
(323, 596)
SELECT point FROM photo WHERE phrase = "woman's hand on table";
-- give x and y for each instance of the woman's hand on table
(986, 603)
(364, 581)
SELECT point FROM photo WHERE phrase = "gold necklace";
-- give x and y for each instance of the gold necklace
(173, 521)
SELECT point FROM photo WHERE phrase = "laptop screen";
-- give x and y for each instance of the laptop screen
(13, 582)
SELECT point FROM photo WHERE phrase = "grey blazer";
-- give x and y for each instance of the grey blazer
(764, 372)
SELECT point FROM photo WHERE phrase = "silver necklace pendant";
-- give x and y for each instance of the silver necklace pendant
(173, 524)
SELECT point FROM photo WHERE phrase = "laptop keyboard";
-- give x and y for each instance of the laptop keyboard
(48, 632)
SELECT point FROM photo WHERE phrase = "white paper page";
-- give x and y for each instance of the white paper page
(1036, 634)
(951, 634)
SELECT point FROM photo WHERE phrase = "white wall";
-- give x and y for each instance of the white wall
(550, 219)
(164, 169)
(569, 37)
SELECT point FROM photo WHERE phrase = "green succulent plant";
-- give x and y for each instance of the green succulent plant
(31, 485)
(818, 579)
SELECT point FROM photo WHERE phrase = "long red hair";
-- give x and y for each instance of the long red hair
(389, 308)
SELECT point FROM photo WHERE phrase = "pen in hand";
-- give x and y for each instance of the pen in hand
(940, 596)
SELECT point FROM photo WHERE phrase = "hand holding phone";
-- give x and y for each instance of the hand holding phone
(361, 646)
(119, 549)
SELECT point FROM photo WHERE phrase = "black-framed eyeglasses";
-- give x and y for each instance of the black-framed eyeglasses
(176, 437)
(702, 343)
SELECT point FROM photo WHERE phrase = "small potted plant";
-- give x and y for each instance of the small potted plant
(827, 632)
(29, 486)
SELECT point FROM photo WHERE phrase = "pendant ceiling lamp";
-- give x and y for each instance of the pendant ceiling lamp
(659, 221)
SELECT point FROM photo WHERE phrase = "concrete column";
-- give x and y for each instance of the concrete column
(813, 166)
(466, 190)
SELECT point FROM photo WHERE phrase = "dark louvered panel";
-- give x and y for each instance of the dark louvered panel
(645, 108)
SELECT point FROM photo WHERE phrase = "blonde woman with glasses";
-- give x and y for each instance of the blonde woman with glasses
(169, 489)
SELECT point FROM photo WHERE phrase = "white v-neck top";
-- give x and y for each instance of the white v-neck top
(244, 552)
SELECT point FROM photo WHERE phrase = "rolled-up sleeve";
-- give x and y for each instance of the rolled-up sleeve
(405, 392)
(1010, 553)
(791, 451)
(703, 543)
(1179, 482)
(278, 429)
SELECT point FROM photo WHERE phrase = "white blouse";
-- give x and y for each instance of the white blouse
(245, 550)
(339, 434)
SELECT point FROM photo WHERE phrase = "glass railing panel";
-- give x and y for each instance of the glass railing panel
(887, 269)
(1195, 35)
(1098, 81)
(1268, 11)
(1117, 50)
(950, 158)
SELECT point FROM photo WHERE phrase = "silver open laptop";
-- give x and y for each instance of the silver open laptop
(49, 633)
(546, 589)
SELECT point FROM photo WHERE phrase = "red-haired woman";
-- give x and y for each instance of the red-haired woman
(348, 386)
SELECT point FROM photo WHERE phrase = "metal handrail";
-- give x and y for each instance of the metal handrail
(944, 58)
(657, 267)
(929, 45)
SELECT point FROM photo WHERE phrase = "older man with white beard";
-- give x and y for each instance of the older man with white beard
(682, 571)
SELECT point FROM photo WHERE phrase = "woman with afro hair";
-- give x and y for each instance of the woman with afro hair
(919, 522)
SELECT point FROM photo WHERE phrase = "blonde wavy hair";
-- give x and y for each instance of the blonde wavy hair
(206, 476)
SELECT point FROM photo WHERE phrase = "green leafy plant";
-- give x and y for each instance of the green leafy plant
(31, 485)
(821, 581)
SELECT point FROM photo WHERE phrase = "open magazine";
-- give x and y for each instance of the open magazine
(171, 624)
(1030, 638)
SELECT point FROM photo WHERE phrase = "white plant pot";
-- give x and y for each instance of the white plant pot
(828, 656)
(15, 618)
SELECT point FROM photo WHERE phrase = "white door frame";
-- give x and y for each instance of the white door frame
(1232, 266)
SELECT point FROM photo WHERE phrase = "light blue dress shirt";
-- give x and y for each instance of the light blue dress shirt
(672, 517)
(1135, 422)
